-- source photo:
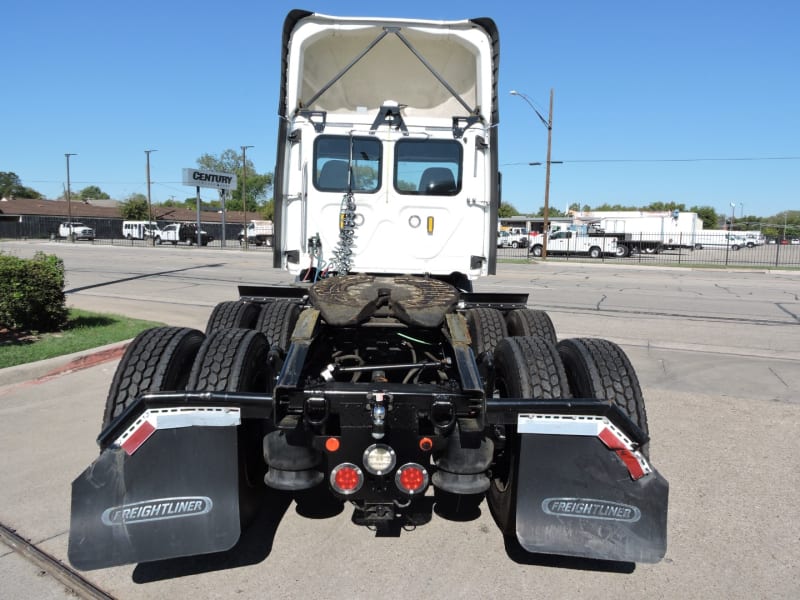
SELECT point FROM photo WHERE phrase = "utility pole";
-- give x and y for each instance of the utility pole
(149, 204)
(547, 176)
(69, 199)
(549, 124)
(244, 192)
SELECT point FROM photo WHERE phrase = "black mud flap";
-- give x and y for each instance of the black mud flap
(175, 495)
(580, 496)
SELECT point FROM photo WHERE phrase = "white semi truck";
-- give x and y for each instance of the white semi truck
(378, 379)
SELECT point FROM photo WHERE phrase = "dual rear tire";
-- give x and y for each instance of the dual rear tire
(534, 367)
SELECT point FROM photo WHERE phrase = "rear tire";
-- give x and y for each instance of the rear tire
(486, 328)
(231, 360)
(622, 251)
(594, 252)
(529, 322)
(235, 314)
(525, 367)
(157, 360)
(277, 321)
(600, 369)
(536, 250)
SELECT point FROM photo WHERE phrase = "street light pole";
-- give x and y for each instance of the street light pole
(733, 213)
(549, 124)
(244, 192)
(69, 199)
(149, 204)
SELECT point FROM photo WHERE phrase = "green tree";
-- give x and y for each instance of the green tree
(507, 210)
(93, 192)
(257, 185)
(134, 208)
(11, 187)
(708, 215)
(614, 207)
(552, 211)
(665, 206)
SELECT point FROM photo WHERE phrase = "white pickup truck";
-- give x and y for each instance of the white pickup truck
(77, 231)
(572, 242)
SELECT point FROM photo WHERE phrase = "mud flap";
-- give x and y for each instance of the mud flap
(175, 495)
(576, 496)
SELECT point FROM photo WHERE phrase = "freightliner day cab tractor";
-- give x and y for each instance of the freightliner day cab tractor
(378, 378)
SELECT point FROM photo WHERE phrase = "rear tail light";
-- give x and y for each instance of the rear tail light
(411, 479)
(347, 478)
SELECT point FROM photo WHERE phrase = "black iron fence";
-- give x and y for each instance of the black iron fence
(706, 248)
(747, 249)
(107, 231)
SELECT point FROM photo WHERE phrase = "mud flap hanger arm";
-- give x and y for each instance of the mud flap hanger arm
(252, 405)
(506, 411)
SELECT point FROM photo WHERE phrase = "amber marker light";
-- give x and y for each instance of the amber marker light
(332, 444)
(425, 444)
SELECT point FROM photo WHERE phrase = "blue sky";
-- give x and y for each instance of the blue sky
(642, 90)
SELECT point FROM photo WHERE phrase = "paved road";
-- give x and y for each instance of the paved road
(718, 354)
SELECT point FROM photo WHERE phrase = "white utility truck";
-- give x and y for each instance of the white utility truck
(565, 242)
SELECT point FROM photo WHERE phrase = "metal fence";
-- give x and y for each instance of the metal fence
(107, 231)
(689, 250)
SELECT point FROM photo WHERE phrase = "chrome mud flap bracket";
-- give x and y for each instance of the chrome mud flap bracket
(161, 493)
(584, 490)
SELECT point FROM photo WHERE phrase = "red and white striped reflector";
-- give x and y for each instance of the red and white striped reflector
(591, 426)
(172, 418)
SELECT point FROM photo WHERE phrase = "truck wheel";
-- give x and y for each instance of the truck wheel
(524, 367)
(622, 251)
(158, 241)
(651, 250)
(536, 250)
(594, 252)
(156, 360)
(230, 360)
(515, 245)
(277, 321)
(486, 328)
(600, 369)
(269, 241)
(529, 322)
(235, 314)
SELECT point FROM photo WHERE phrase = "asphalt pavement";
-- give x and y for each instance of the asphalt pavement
(718, 355)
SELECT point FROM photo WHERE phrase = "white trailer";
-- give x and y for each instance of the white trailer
(673, 229)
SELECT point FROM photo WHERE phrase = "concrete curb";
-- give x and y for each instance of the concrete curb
(59, 365)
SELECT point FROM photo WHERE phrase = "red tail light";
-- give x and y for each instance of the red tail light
(347, 478)
(411, 478)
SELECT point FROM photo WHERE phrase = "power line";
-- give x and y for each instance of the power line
(665, 160)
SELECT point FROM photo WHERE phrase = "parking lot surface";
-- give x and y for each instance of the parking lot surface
(718, 355)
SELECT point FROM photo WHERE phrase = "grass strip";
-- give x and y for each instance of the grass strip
(84, 330)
